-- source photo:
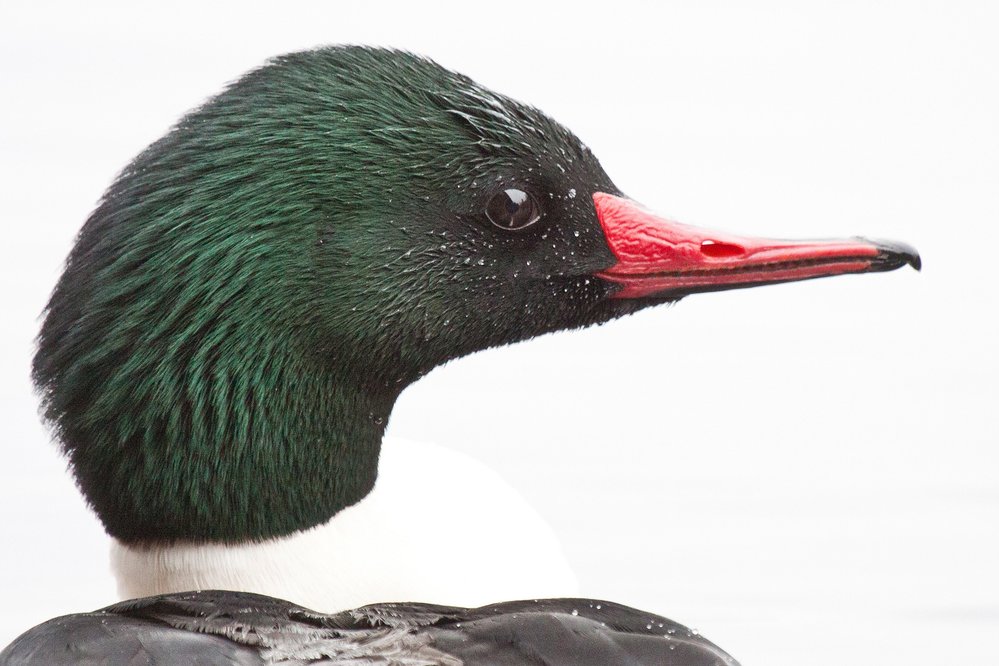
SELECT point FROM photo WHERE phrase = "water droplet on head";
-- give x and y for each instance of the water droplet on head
(572, 193)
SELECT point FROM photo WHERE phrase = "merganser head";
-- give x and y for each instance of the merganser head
(254, 291)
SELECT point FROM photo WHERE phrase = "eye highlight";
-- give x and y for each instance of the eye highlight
(512, 209)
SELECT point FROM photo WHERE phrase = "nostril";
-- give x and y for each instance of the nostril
(720, 250)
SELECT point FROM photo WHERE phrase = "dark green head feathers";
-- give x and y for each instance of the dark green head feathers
(252, 293)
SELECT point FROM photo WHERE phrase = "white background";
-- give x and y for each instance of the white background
(806, 473)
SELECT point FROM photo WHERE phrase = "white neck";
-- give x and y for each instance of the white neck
(438, 527)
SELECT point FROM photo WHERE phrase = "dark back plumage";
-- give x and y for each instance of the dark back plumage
(216, 627)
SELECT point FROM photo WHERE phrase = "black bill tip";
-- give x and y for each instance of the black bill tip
(893, 254)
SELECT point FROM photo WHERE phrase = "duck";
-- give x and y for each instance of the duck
(220, 358)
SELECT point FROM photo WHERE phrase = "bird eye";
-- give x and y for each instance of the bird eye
(512, 209)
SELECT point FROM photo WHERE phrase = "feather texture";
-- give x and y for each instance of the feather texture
(241, 628)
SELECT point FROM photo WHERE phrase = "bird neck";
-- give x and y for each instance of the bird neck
(369, 552)
(262, 440)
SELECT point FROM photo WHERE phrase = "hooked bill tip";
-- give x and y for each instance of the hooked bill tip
(894, 254)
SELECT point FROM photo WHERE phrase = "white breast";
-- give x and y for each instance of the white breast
(438, 527)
